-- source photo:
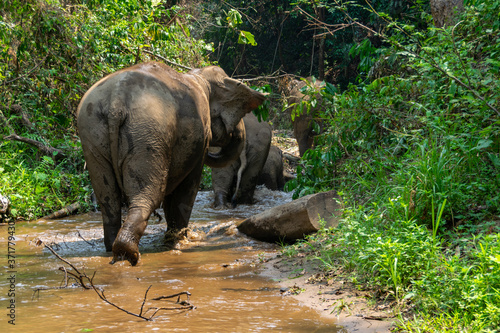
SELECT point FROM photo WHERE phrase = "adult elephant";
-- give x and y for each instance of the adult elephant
(236, 182)
(145, 133)
(303, 121)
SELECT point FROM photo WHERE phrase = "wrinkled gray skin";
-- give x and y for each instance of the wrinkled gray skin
(247, 168)
(272, 173)
(303, 124)
(145, 133)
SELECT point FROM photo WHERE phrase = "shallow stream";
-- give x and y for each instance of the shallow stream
(216, 264)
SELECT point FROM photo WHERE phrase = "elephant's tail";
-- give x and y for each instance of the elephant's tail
(115, 120)
(243, 165)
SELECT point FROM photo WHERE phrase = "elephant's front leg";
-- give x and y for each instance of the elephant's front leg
(223, 180)
(179, 203)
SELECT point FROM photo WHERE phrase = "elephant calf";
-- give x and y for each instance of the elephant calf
(145, 133)
(272, 175)
(236, 182)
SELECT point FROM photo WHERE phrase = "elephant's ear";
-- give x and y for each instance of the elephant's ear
(256, 100)
(236, 100)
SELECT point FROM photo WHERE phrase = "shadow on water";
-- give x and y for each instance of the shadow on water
(215, 263)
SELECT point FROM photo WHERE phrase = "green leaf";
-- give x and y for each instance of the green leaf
(246, 37)
(453, 89)
(483, 144)
(234, 18)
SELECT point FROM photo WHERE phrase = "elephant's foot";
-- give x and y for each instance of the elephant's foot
(126, 247)
(220, 201)
(175, 236)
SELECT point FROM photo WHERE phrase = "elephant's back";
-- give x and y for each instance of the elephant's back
(147, 88)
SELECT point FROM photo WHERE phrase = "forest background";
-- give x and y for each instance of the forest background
(411, 105)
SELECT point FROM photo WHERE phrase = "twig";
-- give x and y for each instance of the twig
(166, 60)
(267, 77)
(185, 305)
(279, 39)
(144, 300)
(86, 241)
(188, 307)
(314, 22)
(78, 277)
(178, 295)
(26, 74)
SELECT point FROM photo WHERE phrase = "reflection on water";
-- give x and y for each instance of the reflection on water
(215, 264)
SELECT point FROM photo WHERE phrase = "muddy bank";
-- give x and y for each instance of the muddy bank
(331, 296)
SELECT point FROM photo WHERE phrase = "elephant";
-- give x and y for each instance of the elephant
(303, 129)
(145, 133)
(272, 175)
(236, 182)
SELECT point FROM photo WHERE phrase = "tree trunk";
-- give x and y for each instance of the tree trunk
(321, 48)
(445, 12)
(295, 219)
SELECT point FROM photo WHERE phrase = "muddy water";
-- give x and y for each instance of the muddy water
(216, 264)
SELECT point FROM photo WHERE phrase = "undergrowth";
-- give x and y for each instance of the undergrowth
(416, 159)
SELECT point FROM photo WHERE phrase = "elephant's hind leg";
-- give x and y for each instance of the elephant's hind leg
(143, 185)
(108, 196)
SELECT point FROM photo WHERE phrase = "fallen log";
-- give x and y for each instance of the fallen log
(68, 210)
(291, 158)
(295, 219)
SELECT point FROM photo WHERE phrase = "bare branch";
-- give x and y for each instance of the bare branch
(57, 154)
(68, 210)
(172, 296)
(166, 60)
(144, 300)
(268, 77)
(184, 305)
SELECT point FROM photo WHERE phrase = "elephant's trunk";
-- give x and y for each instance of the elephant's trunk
(230, 151)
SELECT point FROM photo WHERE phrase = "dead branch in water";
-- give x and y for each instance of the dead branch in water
(66, 211)
(86, 282)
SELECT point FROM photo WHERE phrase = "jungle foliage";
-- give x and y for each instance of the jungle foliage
(301, 36)
(51, 53)
(414, 150)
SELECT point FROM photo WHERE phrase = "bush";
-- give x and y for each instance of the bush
(428, 135)
(416, 157)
